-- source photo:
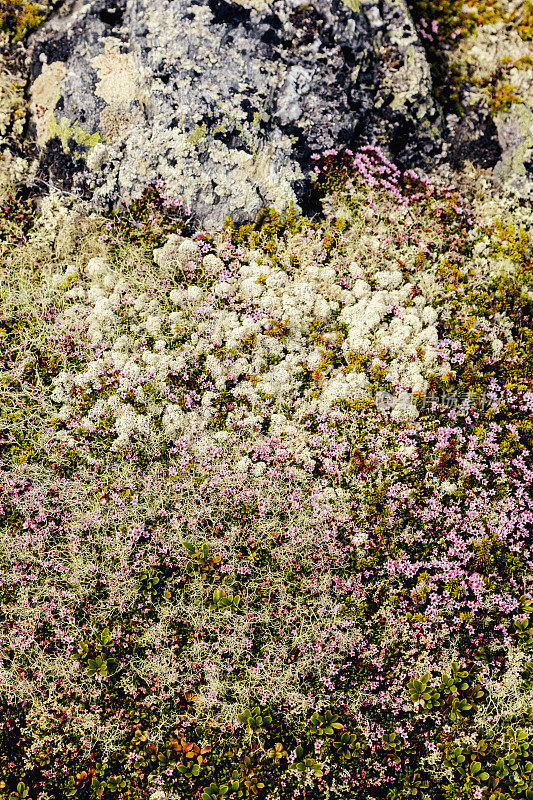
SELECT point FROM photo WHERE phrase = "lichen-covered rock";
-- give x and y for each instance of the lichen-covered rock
(497, 130)
(224, 101)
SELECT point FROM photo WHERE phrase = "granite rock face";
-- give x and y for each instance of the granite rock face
(224, 102)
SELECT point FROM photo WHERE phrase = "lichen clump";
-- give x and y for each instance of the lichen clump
(265, 501)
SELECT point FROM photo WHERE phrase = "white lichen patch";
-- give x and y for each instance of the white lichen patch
(235, 177)
(62, 227)
(119, 80)
(374, 319)
(45, 93)
(515, 131)
(407, 81)
(258, 5)
(12, 167)
(115, 124)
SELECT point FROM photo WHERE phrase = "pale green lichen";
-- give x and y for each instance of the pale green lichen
(515, 127)
(199, 133)
(12, 110)
(505, 83)
(409, 68)
(66, 130)
(354, 5)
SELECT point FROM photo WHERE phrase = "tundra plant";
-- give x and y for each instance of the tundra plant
(226, 570)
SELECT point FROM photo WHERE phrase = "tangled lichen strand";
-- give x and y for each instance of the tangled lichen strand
(237, 573)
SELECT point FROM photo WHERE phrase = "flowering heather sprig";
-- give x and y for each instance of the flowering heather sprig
(335, 170)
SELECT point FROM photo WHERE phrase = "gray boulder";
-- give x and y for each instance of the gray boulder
(224, 102)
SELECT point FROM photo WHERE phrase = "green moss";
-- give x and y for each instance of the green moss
(17, 17)
(268, 231)
(501, 95)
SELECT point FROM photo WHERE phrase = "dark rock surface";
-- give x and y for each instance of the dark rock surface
(224, 102)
